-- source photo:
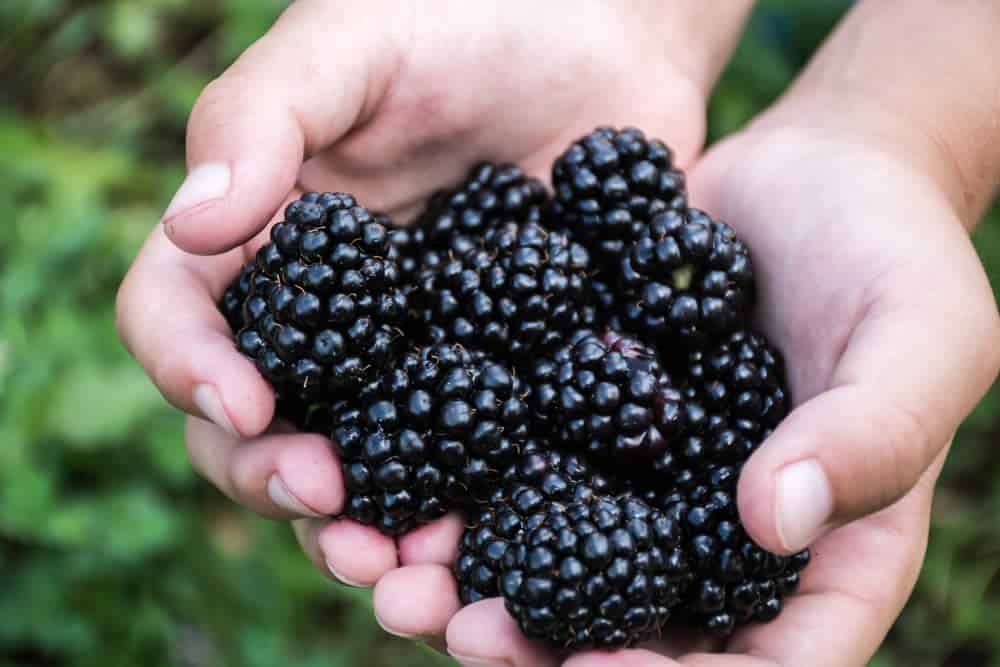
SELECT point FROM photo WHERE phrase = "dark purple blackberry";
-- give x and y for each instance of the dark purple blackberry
(603, 572)
(539, 475)
(609, 185)
(736, 394)
(688, 277)
(231, 303)
(607, 395)
(323, 308)
(735, 581)
(490, 195)
(520, 291)
(436, 432)
(408, 246)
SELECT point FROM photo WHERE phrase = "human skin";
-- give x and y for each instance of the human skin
(854, 196)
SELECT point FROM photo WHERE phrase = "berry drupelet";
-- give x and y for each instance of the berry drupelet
(323, 305)
(491, 194)
(603, 572)
(608, 186)
(687, 278)
(518, 293)
(607, 395)
(734, 580)
(539, 475)
(437, 431)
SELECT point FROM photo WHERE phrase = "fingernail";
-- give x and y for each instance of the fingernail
(466, 661)
(203, 183)
(208, 401)
(804, 503)
(392, 632)
(341, 578)
(278, 492)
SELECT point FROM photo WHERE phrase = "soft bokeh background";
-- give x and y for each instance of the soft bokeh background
(111, 551)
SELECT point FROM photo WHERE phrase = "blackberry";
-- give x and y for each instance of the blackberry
(688, 277)
(323, 305)
(408, 248)
(231, 303)
(608, 186)
(519, 292)
(603, 572)
(490, 194)
(607, 395)
(539, 475)
(734, 580)
(437, 431)
(735, 396)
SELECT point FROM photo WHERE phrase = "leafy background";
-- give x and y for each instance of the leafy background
(112, 552)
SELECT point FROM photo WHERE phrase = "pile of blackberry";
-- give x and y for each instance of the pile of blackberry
(576, 375)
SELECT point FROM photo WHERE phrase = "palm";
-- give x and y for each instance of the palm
(520, 94)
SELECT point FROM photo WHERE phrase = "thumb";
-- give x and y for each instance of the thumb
(913, 368)
(297, 90)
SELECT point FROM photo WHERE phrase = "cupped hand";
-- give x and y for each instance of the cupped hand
(389, 102)
(871, 288)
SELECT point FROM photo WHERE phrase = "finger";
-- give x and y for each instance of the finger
(416, 601)
(485, 634)
(621, 658)
(352, 553)
(853, 590)
(913, 368)
(167, 318)
(280, 476)
(435, 543)
(295, 91)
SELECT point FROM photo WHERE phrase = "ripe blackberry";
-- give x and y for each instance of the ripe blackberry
(608, 186)
(539, 475)
(603, 572)
(231, 303)
(408, 246)
(735, 581)
(607, 395)
(323, 306)
(687, 277)
(490, 194)
(517, 293)
(436, 431)
(735, 396)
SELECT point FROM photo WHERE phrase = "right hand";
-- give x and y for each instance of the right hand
(389, 103)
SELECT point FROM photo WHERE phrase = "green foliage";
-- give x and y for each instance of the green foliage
(112, 552)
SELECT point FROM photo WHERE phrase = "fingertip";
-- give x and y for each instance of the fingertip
(486, 633)
(310, 472)
(416, 600)
(343, 540)
(437, 542)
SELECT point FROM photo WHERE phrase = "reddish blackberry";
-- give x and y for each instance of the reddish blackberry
(735, 581)
(687, 277)
(539, 475)
(608, 186)
(323, 306)
(607, 395)
(437, 431)
(603, 572)
(491, 194)
(517, 293)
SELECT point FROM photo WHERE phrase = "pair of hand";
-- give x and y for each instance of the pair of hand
(868, 282)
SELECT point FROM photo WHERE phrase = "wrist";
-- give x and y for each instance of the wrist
(965, 172)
